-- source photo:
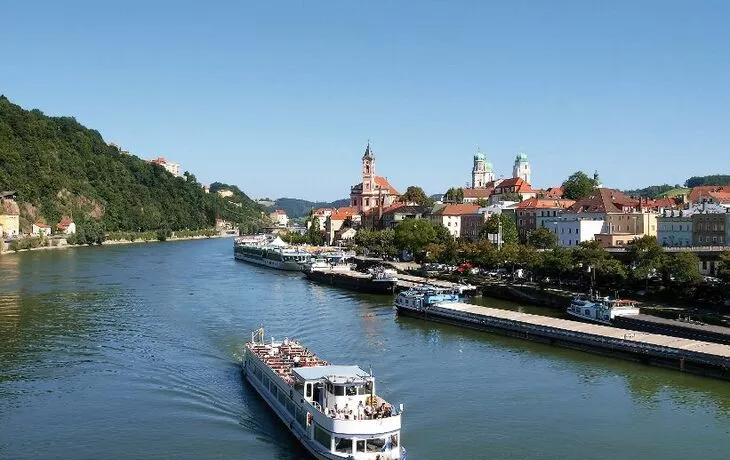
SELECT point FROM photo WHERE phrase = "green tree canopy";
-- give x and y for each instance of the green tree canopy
(414, 235)
(542, 238)
(509, 228)
(415, 194)
(454, 195)
(646, 256)
(684, 267)
(578, 186)
(723, 269)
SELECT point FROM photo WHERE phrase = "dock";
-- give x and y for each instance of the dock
(687, 355)
(410, 281)
(687, 329)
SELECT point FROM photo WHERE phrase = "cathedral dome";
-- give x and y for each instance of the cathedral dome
(479, 156)
(521, 157)
(488, 166)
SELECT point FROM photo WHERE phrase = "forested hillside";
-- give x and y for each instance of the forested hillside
(296, 207)
(61, 168)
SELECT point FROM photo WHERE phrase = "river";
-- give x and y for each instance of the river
(131, 352)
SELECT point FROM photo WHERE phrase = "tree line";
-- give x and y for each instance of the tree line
(61, 168)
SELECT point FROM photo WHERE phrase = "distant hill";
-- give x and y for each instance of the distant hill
(295, 207)
(61, 168)
(717, 179)
(675, 192)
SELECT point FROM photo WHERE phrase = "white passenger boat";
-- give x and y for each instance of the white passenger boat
(601, 309)
(332, 410)
(275, 254)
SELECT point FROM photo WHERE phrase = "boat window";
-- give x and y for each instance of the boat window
(361, 390)
(322, 437)
(302, 418)
(309, 390)
(339, 390)
(368, 387)
(343, 445)
(299, 386)
(350, 391)
(375, 445)
(360, 445)
(393, 441)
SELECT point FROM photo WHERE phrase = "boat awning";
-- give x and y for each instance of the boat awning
(279, 243)
(318, 372)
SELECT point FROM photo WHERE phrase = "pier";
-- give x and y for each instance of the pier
(409, 281)
(698, 357)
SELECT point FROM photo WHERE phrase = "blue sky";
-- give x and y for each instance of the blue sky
(280, 98)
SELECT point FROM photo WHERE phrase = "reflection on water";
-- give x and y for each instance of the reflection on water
(131, 352)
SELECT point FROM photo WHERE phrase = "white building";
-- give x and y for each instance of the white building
(172, 168)
(674, 228)
(449, 215)
(482, 172)
(279, 218)
(521, 168)
(41, 230)
(225, 193)
(572, 232)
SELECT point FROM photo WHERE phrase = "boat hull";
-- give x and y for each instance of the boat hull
(587, 319)
(342, 280)
(290, 266)
(287, 420)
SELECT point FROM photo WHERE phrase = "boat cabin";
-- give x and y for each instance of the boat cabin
(340, 392)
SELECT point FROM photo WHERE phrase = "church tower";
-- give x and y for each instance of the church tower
(522, 168)
(368, 171)
(482, 172)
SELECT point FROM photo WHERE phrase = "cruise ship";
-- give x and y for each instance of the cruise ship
(332, 410)
(276, 254)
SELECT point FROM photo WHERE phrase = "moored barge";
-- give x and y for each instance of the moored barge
(332, 410)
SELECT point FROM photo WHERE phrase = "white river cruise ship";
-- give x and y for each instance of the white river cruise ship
(332, 410)
(276, 254)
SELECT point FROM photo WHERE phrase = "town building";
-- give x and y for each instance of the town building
(482, 172)
(225, 193)
(710, 228)
(472, 225)
(10, 217)
(321, 215)
(570, 232)
(515, 187)
(172, 168)
(374, 190)
(347, 217)
(522, 168)
(66, 226)
(279, 218)
(474, 195)
(39, 229)
(674, 228)
(449, 215)
(394, 215)
(534, 212)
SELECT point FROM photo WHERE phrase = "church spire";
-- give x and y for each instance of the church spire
(368, 152)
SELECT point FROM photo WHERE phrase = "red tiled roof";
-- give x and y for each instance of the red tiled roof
(381, 183)
(343, 213)
(698, 192)
(554, 192)
(520, 185)
(544, 203)
(38, 224)
(279, 211)
(604, 200)
(478, 192)
(457, 209)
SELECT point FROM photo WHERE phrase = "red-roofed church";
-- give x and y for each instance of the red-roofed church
(374, 190)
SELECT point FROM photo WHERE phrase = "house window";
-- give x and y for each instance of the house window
(367, 201)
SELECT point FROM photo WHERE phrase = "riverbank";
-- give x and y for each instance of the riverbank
(62, 244)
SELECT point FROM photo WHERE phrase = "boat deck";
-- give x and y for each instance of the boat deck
(282, 358)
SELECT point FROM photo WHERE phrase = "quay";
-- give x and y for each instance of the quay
(693, 356)
(686, 329)
(410, 281)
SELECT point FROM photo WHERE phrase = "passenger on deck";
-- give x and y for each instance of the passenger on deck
(360, 410)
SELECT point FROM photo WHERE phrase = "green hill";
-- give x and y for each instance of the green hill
(61, 168)
(296, 207)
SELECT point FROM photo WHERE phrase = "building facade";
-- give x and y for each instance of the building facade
(449, 215)
(172, 168)
(482, 172)
(10, 217)
(374, 191)
(571, 232)
(674, 228)
(532, 214)
(279, 218)
(522, 168)
(710, 229)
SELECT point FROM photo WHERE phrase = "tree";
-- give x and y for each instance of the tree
(717, 179)
(481, 202)
(509, 228)
(684, 267)
(314, 234)
(646, 257)
(578, 186)
(557, 263)
(543, 238)
(723, 269)
(415, 194)
(414, 235)
(454, 195)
